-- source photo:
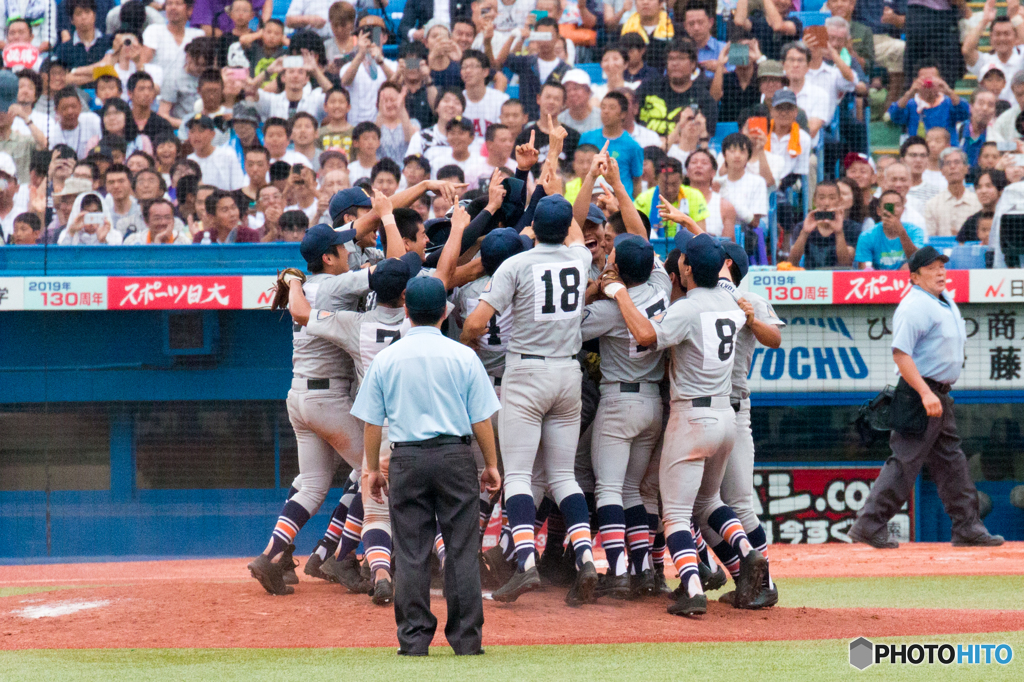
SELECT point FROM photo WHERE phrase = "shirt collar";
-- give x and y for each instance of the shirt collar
(77, 40)
(424, 330)
(942, 300)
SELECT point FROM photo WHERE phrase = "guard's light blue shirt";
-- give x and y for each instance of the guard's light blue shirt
(425, 385)
(931, 333)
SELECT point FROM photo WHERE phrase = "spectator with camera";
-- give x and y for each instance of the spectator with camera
(929, 102)
(889, 244)
(822, 243)
(368, 70)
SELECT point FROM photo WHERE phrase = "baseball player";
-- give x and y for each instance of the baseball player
(545, 288)
(362, 336)
(737, 488)
(318, 402)
(738, 482)
(628, 421)
(700, 332)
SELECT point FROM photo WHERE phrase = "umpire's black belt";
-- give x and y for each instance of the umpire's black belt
(938, 386)
(524, 356)
(433, 442)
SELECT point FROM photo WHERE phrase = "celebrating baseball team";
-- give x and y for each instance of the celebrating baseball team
(624, 407)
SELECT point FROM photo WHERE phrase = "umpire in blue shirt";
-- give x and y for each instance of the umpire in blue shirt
(928, 346)
(435, 394)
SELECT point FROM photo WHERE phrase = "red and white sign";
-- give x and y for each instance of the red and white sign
(258, 291)
(997, 286)
(174, 293)
(889, 286)
(19, 56)
(795, 287)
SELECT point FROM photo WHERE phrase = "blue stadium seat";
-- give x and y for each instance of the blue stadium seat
(811, 18)
(812, 5)
(942, 244)
(512, 91)
(594, 71)
(969, 256)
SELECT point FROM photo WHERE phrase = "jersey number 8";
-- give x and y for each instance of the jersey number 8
(556, 296)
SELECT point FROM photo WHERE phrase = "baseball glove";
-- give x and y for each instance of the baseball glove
(280, 301)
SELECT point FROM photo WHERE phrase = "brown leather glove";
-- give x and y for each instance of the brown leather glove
(280, 301)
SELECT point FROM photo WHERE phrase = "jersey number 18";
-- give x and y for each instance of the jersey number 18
(556, 296)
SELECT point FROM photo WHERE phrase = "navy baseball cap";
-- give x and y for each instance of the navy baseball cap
(512, 208)
(390, 276)
(705, 257)
(319, 239)
(425, 295)
(552, 220)
(683, 238)
(595, 215)
(499, 245)
(737, 254)
(634, 257)
(926, 255)
(346, 199)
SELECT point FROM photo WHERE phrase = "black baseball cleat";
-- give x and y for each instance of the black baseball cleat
(288, 565)
(614, 586)
(728, 598)
(660, 584)
(711, 581)
(752, 571)
(685, 605)
(519, 584)
(985, 539)
(643, 585)
(766, 598)
(557, 566)
(584, 587)
(348, 574)
(269, 575)
(383, 592)
(879, 540)
(314, 562)
(499, 570)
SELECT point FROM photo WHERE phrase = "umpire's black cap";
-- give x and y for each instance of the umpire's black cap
(926, 255)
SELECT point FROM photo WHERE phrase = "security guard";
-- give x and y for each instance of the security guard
(434, 392)
(928, 346)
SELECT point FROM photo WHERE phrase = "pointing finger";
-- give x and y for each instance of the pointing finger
(533, 133)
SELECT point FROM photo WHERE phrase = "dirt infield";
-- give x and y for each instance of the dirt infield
(213, 603)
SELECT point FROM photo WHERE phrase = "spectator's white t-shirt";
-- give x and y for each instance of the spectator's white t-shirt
(645, 137)
(749, 195)
(830, 79)
(167, 52)
(312, 213)
(474, 167)
(357, 171)
(814, 101)
(78, 138)
(786, 164)
(363, 91)
(990, 60)
(221, 169)
(153, 70)
(485, 112)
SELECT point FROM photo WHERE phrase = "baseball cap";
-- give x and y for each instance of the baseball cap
(595, 215)
(705, 257)
(389, 278)
(856, 157)
(512, 207)
(319, 239)
(634, 257)
(578, 76)
(201, 120)
(8, 89)
(552, 220)
(737, 254)
(244, 111)
(683, 238)
(425, 295)
(926, 255)
(784, 96)
(344, 200)
(770, 68)
(7, 165)
(498, 246)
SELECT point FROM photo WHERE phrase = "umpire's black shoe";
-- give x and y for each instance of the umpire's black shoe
(879, 540)
(711, 581)
(288, 566)
(614, 586)
(986, 539)
(583, 590)
(383, 592)
(269, 575)
(685, 605)
(519, 584)
(752, 571)
(643, 585)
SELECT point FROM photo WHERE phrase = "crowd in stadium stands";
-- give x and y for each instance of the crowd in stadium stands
(211, 121)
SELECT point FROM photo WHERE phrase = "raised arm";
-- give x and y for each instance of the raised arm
(453, 247)
(581, 206)
(630, 216)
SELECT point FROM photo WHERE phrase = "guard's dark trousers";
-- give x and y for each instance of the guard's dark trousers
(939, 447)
(428, 482)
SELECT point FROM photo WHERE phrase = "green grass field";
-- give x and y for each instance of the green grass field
(763, 661)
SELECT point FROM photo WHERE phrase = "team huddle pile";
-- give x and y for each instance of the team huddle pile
(646, 435)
